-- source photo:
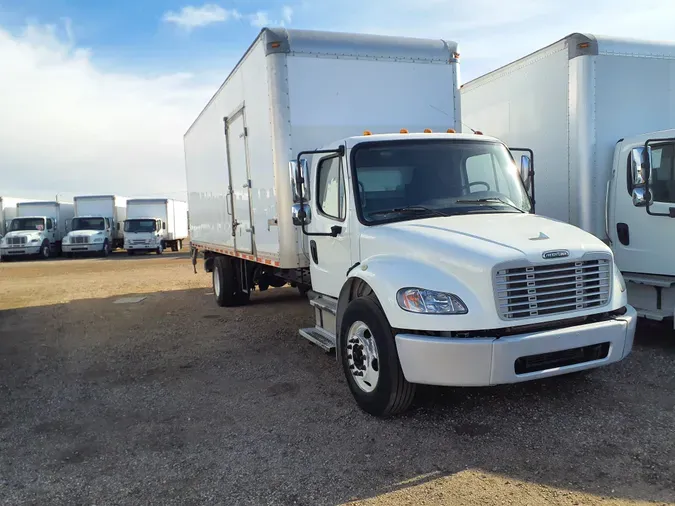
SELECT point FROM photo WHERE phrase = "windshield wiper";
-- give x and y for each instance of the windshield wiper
(409, 209)
(488, 200)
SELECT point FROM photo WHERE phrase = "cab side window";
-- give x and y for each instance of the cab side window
(662, 182)
(50, 224)
(331, 188)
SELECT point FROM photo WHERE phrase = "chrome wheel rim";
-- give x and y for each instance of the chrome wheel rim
(363, 358)
(216, 282)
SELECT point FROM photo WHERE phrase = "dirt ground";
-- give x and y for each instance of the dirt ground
(173, 400)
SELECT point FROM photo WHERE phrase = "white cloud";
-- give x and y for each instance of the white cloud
(67, 126)
(260, 19)
(287, 14)
(192, 17)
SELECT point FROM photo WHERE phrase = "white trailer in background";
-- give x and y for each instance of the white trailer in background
(598, 113)
(37, 229)
(420, 250)
(155, 224)
(98, 225)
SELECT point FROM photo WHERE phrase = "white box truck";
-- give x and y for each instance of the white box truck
(598, 113)
(418, 248)
(7, 212)
(98, 225)
(154, 225)
(37, 229)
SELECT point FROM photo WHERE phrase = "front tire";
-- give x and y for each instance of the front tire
(106, 249)
(45, 250)
(370, 361)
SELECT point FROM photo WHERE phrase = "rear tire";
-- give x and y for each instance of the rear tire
(364, 324)
(226, 286)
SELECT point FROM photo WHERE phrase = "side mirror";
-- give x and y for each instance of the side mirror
(299, 180)
(640, 170)
(164, 225)
(297, 216)
(335, 230)
(642, 196)
(525, 168)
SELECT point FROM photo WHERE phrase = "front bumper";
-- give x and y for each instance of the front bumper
(81, 248)
(493, 361)
(20, 251)
(141, 247)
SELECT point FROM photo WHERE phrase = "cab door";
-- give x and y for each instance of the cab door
(330, 257)
(643, 238)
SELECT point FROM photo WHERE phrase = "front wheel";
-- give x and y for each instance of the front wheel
(370, 360)
(106, 249)
(160, 249)
(45, 250)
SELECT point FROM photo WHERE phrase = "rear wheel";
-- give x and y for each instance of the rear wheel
(370, 360)
(226, 286)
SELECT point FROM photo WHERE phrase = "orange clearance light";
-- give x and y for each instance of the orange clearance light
(404, 130)
(451, 130)
(427, 130)
(478, 132)
(455, 55)
(367, 132)
(275, 44)
(583, 45)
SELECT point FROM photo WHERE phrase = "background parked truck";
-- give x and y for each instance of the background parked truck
(599, 113)
(318, 162)
(154, 225)
(7, 212)
(98, 225)
(38, 229)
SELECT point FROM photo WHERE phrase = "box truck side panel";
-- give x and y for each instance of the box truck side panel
(244, 101)
(508, 104)
(353, 95)
(632, 96)
(180, 219)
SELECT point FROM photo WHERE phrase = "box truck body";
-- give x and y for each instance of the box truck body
(296, 90)
(587, 106)
(330, 161)
(37, 229)
(98, 225)
(155, 224)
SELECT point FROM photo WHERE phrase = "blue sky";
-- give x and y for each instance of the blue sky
(95, 95)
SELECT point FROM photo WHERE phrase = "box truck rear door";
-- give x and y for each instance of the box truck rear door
(237, 157)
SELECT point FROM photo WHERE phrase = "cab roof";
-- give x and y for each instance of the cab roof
(350, 142)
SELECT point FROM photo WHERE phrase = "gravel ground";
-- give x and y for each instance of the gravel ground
(173, 400)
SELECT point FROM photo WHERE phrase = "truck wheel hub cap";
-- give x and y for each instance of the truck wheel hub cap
(362, 356)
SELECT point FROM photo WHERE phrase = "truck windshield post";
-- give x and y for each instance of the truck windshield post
(302, 215)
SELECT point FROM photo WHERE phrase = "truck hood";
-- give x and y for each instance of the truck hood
(84, 233)
(479, 240)
(28, 234)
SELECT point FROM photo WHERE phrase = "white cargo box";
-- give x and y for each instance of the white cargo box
(297, 90)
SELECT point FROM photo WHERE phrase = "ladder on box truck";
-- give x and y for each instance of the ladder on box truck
(418, 246)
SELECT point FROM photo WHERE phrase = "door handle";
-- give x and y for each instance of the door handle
(313, 251)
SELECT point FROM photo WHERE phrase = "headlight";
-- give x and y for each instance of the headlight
(66, 240)
(418, 300)
(35, 240)
(98, 239)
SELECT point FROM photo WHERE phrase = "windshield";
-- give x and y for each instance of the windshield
(27, 224)
(413, 179)
(140, 225)
(88, 224)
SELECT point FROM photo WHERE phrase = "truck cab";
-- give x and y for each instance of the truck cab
(29, 235)
(640, 225)
(144, 235)
(428, 266)
(89, 234)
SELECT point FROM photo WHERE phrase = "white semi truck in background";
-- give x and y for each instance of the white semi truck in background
(98, 225)
(599, 114)
(154, 225)
(37, 229)
(329, 161)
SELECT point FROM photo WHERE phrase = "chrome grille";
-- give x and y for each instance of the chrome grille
(80, 239)
(541, 290)
(139, 241)
(16, 241)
